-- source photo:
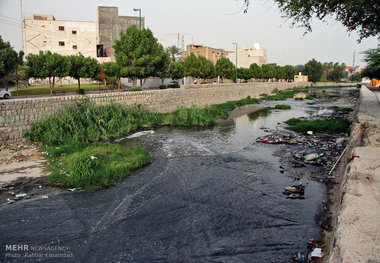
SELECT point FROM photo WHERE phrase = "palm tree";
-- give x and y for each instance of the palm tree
(173, 50)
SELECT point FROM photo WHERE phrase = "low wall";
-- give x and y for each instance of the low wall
(17, 114)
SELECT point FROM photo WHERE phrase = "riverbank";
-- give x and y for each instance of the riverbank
(354, 205)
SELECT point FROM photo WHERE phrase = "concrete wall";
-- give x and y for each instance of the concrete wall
(17, 114)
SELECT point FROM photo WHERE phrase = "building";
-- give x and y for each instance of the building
(210, 53)
(301, 78)
(94, 39)
(247, 56)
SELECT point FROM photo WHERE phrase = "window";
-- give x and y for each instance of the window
(75, 47)
(61, 28)
(100, 52)
(61, 43)
(74, 32)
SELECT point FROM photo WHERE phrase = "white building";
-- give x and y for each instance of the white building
(247, 56)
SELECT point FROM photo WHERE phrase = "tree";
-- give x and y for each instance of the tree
(314, 70)
(138, 54)
(112, 69)
(244, 73)
(173, 50)
(360, 16)
(225, 68)
(337, 73)
(257, 71)
(83, 67)
(289, 72)
(279, 72)
(206, 68)
(47, 65)
(175, 70)
(162, 68)
(372, 57)
(9, 61)
(191, 66)
(268, 71)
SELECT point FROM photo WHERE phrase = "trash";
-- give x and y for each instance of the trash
(20, 195)
(310, 132)
(298, 164)
(44, 197)
(317, 253)
(340, 141)
(299, 257)
(311, 157)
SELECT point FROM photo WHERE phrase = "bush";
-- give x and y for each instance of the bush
(282, 107)
(175, 86)
(162, 87)
(309, 97)
(299, 98)
(328, 125)
(81, 91)
(111, 81)
(135, 89)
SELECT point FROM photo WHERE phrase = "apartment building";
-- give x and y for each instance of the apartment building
(93, 38)
(247, 56)
(210, 53)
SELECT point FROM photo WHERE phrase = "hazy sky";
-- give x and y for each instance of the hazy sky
(215, 23)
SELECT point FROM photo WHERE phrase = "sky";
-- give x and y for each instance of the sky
(214, 23)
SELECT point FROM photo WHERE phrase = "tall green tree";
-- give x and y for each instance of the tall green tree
(9, 61)
(256, 71)
(206, 68)
(162, 68)
(173, 50)
(191, 66)
(138, 54)
(289, 72)
(83, 67)
(360, 16)
(279, 72)
(337, 73)
(47, 65)
(372, 57)
(268, 71)
(225, 68)
(314, 70)
(244, 73)
(175, 70)
(112, 69)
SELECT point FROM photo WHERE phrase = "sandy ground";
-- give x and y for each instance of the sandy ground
(22, 172)
(357, 232)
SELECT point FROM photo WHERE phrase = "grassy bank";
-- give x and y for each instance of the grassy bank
(73, 138)
(328, 125)
(44, 89)
(93, 165)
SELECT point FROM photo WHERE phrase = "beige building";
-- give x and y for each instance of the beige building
(93, 39)
(301, 78)
(247, 56)
(210, 53)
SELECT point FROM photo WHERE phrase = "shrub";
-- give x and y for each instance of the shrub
(299, 98)
(328, 125)
(282, 107)
(81, 91)
(162, 87)
(135, 89)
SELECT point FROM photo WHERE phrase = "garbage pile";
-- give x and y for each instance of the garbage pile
(313, 252)
(317, 149)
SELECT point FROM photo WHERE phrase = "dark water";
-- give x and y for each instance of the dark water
(209, 195)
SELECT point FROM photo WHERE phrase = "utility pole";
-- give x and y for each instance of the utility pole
(236, 53)
(22, 26)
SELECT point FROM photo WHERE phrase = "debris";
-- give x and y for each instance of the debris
(44, 197)
(310, 132)
(311, 157)
(298, 164)
(20, 195)
(317, 252)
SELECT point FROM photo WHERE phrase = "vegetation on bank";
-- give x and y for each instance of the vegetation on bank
(282, 107)
(93, 165)
(341, 109)
(325, 125)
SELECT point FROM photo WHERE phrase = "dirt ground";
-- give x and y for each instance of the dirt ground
(22, 174)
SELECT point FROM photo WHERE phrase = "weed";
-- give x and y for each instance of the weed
(282, 107)
(327, 125)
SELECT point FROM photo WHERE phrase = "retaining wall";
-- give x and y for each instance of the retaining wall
(17, 114)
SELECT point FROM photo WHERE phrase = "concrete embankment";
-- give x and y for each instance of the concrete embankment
(356, 237)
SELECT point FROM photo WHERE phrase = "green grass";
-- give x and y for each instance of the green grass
(282, 107)
(329, 125)
(135, 89)
(309, 97)
(340, 109)
(283, 94)
(230, 105)
(93, 165)
(44, 89)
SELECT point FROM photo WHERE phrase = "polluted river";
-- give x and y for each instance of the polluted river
(209, 195)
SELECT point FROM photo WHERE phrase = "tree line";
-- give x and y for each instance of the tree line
(138, 55)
